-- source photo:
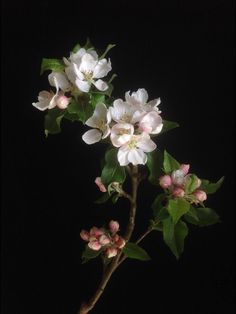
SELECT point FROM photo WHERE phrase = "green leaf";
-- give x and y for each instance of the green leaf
(133, 250)
(211, 188)
(112, 171)
(202, 217)
(169, 125)
(76, 48)
(174, 235)
(158, 205)
(170, 164)
(96, 98)
(89, 254)
(103, 199)
(177, 208)
(56, 65)
(191, 183)
(154, 164)
(52, 121)
(80, 107)
(109, 47)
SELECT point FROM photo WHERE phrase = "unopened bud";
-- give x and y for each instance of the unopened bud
(99, 183)
(120, 243)
(178, 177)
(84, 235)
(62, 102)
(178, 192)
(200, 195)
(165, 181)
(113, 226)
(185, 168)
(94, 245)
(111, 252)
(104, 240)
(96, 232)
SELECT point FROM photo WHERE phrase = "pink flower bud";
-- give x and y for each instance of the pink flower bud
(111, 252)
(115, 238)
(113, 226)
(94, 245)
(185, 168)
(99, 183)
(165, 181)
(62, 102)
(200, 195)
(178, 192)
(104, 240)
(84, 235)
(120, 243)
(96, 232)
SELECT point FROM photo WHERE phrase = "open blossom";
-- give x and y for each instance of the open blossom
(84, 69)
(123, 112)
(134, 150)
(49, 100)
(121, 133)
(100, 122)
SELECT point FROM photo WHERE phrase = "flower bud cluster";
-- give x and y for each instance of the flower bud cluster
(176, 184)
(106, 240)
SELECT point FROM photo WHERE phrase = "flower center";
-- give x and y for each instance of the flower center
(88, 75)
(101, 125)
(126, 117)
(123, 131)
(132, 144)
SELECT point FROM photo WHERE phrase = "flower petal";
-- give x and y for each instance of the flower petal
(140, 96)
(101, 85)
(121, 133)
(59, 79)
(92, 136)
(102, 68)
(88, 63)
(123, 156)
(151, 123)
(84, 86)
(137, 157)
(145, 143)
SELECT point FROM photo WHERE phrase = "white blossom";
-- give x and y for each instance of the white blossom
(121, 133)
(99, 121)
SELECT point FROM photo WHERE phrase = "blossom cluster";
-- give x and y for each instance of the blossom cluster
(81, 70)
(106, 240)
(177, 182)
(129, 124)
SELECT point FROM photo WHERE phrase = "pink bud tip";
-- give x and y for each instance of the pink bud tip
(101, 186)
(84, 235)
(120, 243)
(178, 192)
(165, 181)
(104, 240)
(62, 102)
(96, 232)
(111, 252)
(94, 245)
(113, 226)
(200, 195)
(185, 168)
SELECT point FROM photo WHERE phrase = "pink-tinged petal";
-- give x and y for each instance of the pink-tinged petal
(92, 136)
(151, 121)
(200, 195)
(96, 232)
(114, 226)
(62, 102)
(137, 157)
(153, 104)
(145, 143)
(111, 252)
(101, 85)
(104, 240)
(120, 243)
(101, 186)
(178, 192)
(140, 96)
(102, 68)
(165, 181)
(84, 86)
(185, 168)
(123, 156)
(94, 245)
(44, 99)
(84, 235)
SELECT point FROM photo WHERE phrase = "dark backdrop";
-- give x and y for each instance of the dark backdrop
(181, 51)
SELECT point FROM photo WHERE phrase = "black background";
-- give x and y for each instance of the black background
(182, 51)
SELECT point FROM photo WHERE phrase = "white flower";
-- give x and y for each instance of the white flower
(140, 98)
(84, 68)
(59, 80)
(100, 122)
(123, 112)
(151, 123)
(49, 100)
(134, 150)
(121, 133)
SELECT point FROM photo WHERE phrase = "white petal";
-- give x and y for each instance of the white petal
(101, 85)
(84, 86)
(123, 156)
(101, 111)
(93, 53)
(78, 74)
(121, 133)
(122, 111)
(88, 63)
(137, 157)
(145, 143)
(154, 103)
(59, 79)
(70, 73)
(141, 95)
(44, 99)
(53, 102)
(92, 136)
(106, 132)
(41, 105)
(102, 68)
(76, 57)
(93, 122)
(151, 123)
